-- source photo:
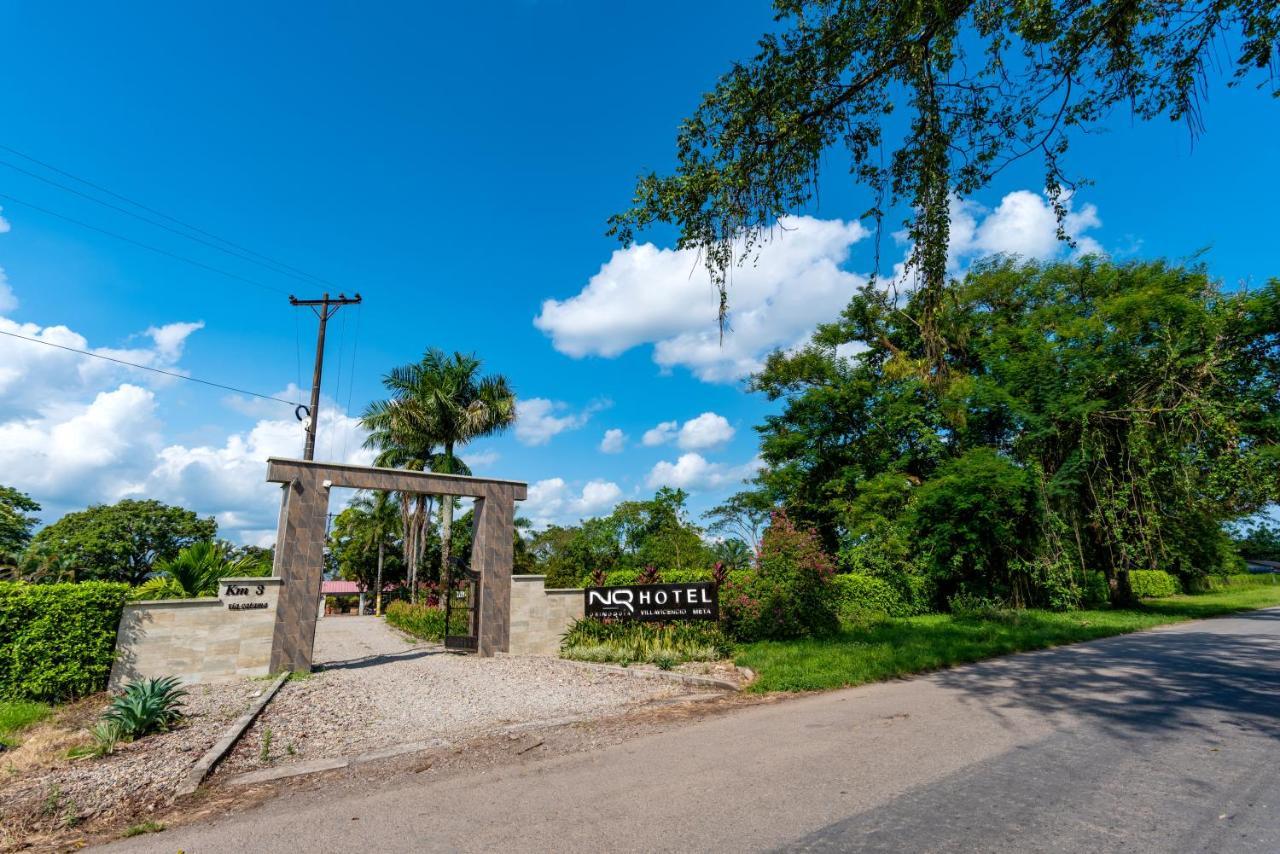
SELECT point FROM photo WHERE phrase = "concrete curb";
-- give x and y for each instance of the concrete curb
(194, 777)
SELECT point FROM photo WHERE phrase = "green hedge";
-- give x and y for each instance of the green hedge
(57, 641)
(859, 596)
(424, 621)
(1152, 583)
(622, 577)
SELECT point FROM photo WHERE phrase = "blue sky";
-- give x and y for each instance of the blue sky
(456, 166)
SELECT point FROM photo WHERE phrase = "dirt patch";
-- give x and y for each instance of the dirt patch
(44, 794)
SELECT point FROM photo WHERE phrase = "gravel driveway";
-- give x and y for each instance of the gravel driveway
(374, 689)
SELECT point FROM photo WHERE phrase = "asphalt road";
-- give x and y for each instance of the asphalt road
(1162, 741)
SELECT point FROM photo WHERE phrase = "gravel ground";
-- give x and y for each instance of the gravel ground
(377, 690)
(41, 790)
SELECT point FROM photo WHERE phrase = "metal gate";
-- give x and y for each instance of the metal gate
(462, 599)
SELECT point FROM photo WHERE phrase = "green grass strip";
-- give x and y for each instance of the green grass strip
(18, 714)
(897, 647)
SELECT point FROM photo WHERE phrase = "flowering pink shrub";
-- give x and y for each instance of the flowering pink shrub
(789, 593)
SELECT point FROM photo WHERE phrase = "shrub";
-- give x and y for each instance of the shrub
(788, 594)
(424, 621)
(57, 641)
(862, 596)
(1096, 592)
(623, 577)
(1152, 583)
(146, 706)
(628, 641)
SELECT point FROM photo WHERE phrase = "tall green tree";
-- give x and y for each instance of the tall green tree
(125, 540)
(929, 101)
(16, 524)
(1137, 401)
(447, 402)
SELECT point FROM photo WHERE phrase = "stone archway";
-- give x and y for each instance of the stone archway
(299, 559)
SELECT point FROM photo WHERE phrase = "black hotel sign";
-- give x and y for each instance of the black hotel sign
(655, 603)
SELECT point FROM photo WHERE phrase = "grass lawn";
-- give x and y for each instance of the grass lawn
(897, 647)
(16, 714)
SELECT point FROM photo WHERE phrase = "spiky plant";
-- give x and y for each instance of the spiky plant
(146, 706)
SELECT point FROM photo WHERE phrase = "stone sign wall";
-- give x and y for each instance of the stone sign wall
(199, 640)
(539, 616)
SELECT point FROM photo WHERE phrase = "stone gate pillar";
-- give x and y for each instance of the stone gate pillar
(299, 562)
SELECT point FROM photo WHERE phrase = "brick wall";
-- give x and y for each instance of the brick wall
(199, 640)
(539, 616)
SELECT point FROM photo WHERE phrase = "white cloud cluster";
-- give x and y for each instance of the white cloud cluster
(480, 459)
(8, 301)
(1023, 224)
(554, 502)
(664, 297)
(614, 441)
(661, 434)
(538, 419)
(77, 430)
(708, 430)
(695, 473)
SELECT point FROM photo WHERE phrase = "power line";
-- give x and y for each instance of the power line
(293, 403)
(147, 246)
(273, 266)
(150, 210)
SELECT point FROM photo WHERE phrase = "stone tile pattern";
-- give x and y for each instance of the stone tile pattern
(300, 545)
(197, 640)
(540, 616)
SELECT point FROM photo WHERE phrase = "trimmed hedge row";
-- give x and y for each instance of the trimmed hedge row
(57, 641)
(860, 596)
(623, 577)
(1152, 583)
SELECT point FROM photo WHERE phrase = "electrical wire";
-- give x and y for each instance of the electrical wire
(273, 267)
(292, 403)
(147, 246)
(282, 265)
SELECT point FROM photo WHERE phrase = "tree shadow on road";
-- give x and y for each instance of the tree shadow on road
(1159, 682)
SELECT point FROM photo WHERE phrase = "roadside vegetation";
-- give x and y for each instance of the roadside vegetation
(887, 648)
(17, 715)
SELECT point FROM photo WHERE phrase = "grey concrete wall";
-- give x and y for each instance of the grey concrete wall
(199, 640)
(539, 616)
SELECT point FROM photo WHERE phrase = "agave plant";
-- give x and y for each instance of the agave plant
(146, 706)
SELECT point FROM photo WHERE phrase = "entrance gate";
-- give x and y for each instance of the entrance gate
(299, 557)
(461, 600)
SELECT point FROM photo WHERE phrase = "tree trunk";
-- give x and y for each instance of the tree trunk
(446, 524)
(1121, 590)
(377, 595)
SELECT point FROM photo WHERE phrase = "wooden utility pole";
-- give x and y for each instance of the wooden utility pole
(324, 309)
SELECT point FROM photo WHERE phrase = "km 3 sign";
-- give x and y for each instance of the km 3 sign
(655, 603)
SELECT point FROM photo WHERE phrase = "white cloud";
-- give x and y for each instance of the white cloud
(554, 502)
(76, 431)
(708, 430)
(1023, 224)
(646, 295)
(480, 459)
(32, 374)
(613, 442)
(537, 421)
(75, 454)
(694, 473)
(660, 435)
(8, 300)
(228, 480)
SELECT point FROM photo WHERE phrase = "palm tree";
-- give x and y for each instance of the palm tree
(381, 525)
(196, 572)
(438, 404)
